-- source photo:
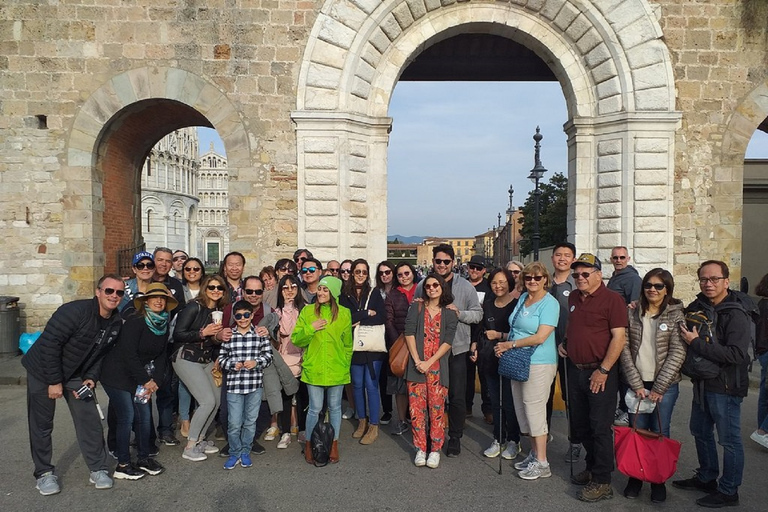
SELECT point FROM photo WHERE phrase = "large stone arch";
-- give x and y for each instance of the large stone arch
(608, 56)
(144, 103)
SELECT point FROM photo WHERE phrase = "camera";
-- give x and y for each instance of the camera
(84, 393)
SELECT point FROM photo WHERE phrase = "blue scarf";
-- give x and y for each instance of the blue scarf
(157, 322)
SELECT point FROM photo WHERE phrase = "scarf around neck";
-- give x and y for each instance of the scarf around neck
(157, 322)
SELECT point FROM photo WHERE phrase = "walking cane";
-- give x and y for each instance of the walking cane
(501, 416)
(567, 415)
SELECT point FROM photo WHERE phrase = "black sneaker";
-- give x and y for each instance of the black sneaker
(169, 440)
(128, 472)
(150, 466)
(632, 490)
(385, 418)
(658, 493)
(224, 452)
(453, 447)
(718, 500)
(694, 484)
(401, 427)
(153, 450)
(257, 448)
(113, 454)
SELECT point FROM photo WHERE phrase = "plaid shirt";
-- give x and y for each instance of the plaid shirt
(241, 348)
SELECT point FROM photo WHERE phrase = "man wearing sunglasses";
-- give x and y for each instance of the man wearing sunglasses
(625, 279)
(311, 272)
(65, 359)
(466, 305)
(476, 273)
(179, 258)
(595, 336)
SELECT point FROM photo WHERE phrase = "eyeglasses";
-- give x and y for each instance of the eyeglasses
(361, 272)
(618, 257)
(476, 267)
(442, 262)
(346, 270)
(192, 269)
(713, 280)
(110, 291)
(385, 272)
(289, 286)
(433, 286)
(308, 270)
(528, 279)
(333, 270)
(300, 258)
(240, 316)
(248, 291)
(182, 258)
(218, 287)
(584, 275)
(285, 269)
(657, 286)
(142, 266)
(515, 272)
(403, 274)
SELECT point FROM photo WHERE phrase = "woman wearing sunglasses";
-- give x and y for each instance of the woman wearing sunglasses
(283, 267)
(533, 324)
(324, 331)
(429, 331)
(516, 268)
(143, 267)
(196, 339)
(652, 358)
(192, 274)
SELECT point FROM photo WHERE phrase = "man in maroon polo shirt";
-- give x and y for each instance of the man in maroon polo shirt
(594, 339)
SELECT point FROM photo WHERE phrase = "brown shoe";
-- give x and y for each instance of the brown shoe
(371, 435)
(361, 428)
(334, 456)
(595, 492)
(308, 453)
(184, 428)
(582, 478)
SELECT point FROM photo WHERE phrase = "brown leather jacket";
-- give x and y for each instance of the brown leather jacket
(670, 349)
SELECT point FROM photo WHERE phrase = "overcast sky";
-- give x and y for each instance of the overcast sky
(456, 147)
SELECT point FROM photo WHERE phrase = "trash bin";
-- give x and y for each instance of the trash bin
(10, 325)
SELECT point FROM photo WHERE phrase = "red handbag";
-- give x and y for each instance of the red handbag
(645, 455)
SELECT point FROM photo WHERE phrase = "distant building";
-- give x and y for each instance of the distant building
(397, 253)
(464, 247)
(213, 218)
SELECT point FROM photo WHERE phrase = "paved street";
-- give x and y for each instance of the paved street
(377, 477)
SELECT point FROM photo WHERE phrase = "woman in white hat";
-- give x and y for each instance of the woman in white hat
(130, 373)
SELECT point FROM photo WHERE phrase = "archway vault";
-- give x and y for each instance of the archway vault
(112, 134)
(611, 63)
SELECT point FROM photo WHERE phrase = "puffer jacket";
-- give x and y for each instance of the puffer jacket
(277, 377)
(670, 348)
(327, 352)
(67, 343)
(396, 305)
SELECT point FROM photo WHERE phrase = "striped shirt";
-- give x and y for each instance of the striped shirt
(241, 348)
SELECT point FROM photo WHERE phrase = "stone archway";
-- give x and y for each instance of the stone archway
(112, 134)
(608, 56)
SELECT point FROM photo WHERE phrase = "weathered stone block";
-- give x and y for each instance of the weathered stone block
(651, 208)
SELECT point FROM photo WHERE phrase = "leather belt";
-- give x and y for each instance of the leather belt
(588, 366)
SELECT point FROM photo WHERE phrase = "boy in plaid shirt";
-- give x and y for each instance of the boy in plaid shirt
(244, 357)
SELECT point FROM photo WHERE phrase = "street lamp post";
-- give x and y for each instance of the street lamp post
(536, 174)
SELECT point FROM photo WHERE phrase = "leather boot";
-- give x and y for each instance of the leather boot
(334, 456)
(308, 453)
(371, 435)
(361, 427)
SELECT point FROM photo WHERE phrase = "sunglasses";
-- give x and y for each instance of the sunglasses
(515, 272)
(240, 316)
(584, 275)
(403, 274)
(142, 266)
(289, 286)
(218, 287)
(182, 258)
(433, 286)
(285, 269)
(385, 272)
(346, 271)
(618, 257)
(333, 270)
(528, 279)
(110, 291)
(361, 272)
(308, 270)
(657, 286)
(476, 267)
(442, 262)
(301, 258)
(192, 269)
(248, 291)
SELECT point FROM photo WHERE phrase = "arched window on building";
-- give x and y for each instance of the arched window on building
(149, 220)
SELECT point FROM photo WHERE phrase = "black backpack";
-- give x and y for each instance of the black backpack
(321, 441)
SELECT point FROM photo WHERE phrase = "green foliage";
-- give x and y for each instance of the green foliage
(553, 216)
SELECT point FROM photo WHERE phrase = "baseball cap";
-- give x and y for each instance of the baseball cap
(587, 260)
(143, 255)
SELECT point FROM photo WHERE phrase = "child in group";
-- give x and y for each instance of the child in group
(244, 358)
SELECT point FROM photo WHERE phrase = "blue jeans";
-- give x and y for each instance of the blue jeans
(721, 412)
(364, 383)
(185, 401)
(665, 407)
(316, 399)
(243, 413)
(126, 410)
(762, 400)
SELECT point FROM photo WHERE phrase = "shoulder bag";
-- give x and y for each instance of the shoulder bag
(515, 363)
(369, 338)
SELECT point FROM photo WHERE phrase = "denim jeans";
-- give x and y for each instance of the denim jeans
(721, 412)
(665, 407)
(185, 401)
(243, 413)
(166, 399)
(762, 400)
(505, 425)
(316, 399)
(126, 410)
(363, 383)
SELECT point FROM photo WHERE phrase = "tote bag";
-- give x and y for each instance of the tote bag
(645, 455)
(369, 338)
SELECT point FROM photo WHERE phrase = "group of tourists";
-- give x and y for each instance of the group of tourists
(232, 356)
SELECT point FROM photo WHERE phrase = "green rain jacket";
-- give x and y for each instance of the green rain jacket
(327, 352)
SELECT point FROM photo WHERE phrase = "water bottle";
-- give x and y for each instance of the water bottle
(141, 396)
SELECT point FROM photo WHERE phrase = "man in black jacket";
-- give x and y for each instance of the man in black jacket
(717, 401)
(66, 358)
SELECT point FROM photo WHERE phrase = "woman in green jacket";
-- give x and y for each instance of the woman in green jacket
(324, 331)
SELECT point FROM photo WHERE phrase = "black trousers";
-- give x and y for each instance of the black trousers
(591, 417)
(457, 394)
(40, 413)
(302, 401)
(563, 387)
(386, 399)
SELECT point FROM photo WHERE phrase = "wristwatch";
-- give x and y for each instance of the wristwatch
(602, 370)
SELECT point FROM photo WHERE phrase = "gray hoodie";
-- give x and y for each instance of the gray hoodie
(626, 283)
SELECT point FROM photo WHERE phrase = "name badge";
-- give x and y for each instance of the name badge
(566, 293)
(663, 327)
(572, 308)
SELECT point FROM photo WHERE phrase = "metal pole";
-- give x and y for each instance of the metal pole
(536, 235)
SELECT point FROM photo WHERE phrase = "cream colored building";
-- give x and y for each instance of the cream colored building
(213, 216)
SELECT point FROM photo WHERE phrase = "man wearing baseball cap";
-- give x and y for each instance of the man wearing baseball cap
(595, 337)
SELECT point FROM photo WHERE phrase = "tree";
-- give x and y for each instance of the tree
(553, 214)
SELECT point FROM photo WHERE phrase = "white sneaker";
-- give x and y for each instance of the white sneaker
(208, 447)
(523, 464)
(421, 459)
(272, 433)
(433, 460)
(535, 470)
(494, 450)
(349, 413)
(761, 439)
(511, 451)
(284, 441)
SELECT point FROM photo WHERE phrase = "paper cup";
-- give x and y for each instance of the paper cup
(217, 316)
